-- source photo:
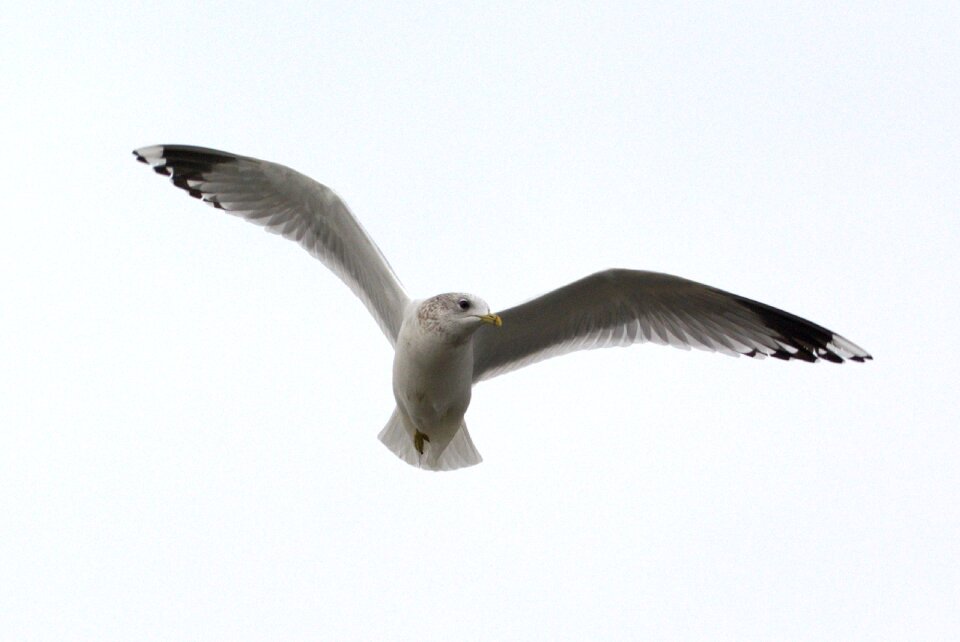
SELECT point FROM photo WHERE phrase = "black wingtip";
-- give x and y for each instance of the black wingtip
(823, 353)
(801, 339)
(182, 183)
(186, 166)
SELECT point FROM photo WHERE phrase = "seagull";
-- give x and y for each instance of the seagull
(445, 344)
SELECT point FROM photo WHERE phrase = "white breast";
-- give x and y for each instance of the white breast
(432, 380)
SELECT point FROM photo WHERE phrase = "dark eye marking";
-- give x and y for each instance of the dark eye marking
(464, 304)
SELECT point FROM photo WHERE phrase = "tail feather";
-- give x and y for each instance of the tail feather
(397, 435)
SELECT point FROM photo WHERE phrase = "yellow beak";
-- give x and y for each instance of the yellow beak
(492, 319)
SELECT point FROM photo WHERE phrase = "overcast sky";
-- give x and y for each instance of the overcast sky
(189, 406)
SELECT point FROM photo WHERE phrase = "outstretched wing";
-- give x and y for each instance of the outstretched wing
(294, 206)
(622, 307)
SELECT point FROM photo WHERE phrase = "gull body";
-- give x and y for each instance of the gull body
(433, 374)
(447, 343)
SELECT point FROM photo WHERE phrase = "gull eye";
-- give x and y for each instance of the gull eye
(464, 304)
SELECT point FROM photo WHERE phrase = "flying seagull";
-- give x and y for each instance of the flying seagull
(445, 344)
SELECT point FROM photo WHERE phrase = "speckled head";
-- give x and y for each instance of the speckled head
(455, 314)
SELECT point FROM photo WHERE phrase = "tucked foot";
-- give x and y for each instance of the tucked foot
(418, 439)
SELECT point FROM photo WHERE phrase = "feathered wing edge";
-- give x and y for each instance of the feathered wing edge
(622, 307)
(295, 206)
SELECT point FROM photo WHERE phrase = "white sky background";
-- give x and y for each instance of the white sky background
(190, 406)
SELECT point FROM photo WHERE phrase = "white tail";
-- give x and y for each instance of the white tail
(459, 453)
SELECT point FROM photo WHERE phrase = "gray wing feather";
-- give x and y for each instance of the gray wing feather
(623, 307)
(296, 207)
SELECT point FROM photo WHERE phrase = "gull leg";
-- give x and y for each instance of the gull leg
(418, 439)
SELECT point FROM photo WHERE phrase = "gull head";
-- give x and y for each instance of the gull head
(456, 315)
